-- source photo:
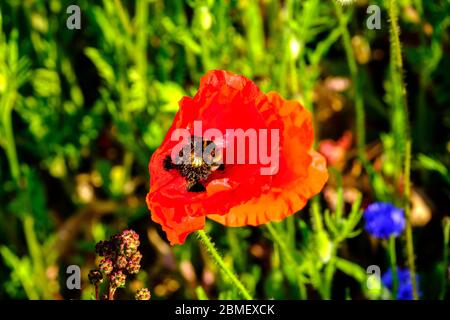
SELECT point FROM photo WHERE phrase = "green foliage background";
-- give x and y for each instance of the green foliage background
(81, 112)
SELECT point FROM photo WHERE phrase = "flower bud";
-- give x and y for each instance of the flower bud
(104, 249)
(95, 277)
(294, 47)
(205, 18)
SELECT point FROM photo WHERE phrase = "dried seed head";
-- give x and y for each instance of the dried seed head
(134, 263)
(104, 249)
(106, 266)
(129, 242)
(143, 294)
(121, 262)
(117, 279)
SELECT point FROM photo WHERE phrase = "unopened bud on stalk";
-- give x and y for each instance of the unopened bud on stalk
(95, 277)
(294, 47)
(204, 18)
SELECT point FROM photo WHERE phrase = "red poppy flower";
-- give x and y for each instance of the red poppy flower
(233, 193)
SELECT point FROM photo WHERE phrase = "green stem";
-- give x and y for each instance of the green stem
(10, 147)
(205, 55)
(401, 133)
(284, 66)
(316, 218)
(330, 269)
(421, 111)
(206, 241)
(360, 113)
(123, 17)
(446, 224)
(395, 35)
(393, 261)
(409, 236)
(289, 258)
(399, 115)
(353, 67)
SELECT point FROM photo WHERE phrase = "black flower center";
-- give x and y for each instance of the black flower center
(195, 163)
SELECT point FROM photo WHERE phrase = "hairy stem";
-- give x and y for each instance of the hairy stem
(409, 236)
(209, 246)
(399, 115)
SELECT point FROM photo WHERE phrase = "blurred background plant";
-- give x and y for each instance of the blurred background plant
(81, 112)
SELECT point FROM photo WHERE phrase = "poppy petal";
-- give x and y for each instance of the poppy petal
(302, 172)
(279, 203)
(240, 194)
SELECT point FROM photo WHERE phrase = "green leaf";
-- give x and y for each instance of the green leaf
(351, 269)
(103, 67)
(432, 164)
(201, 294)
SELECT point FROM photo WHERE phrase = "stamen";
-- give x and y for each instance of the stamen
(197, 161)
(196, 187)
(197, 171)
(167, 163)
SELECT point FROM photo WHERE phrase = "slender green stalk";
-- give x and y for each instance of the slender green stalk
(395, 35)
(206, 241)
(36, 254)
(409, 236)
(353, 67)
(446, 225)
(206, 58)
(142, 38)
(289, 258)
(399, 115)
(287, 16)
(421, 112)
(10, 148)
(283, 246)
(123, 16)
(401, 129)
(330, 269)
(315, 216)
(393, 261)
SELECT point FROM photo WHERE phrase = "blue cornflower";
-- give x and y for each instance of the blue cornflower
(405, 288)
(384, 220)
